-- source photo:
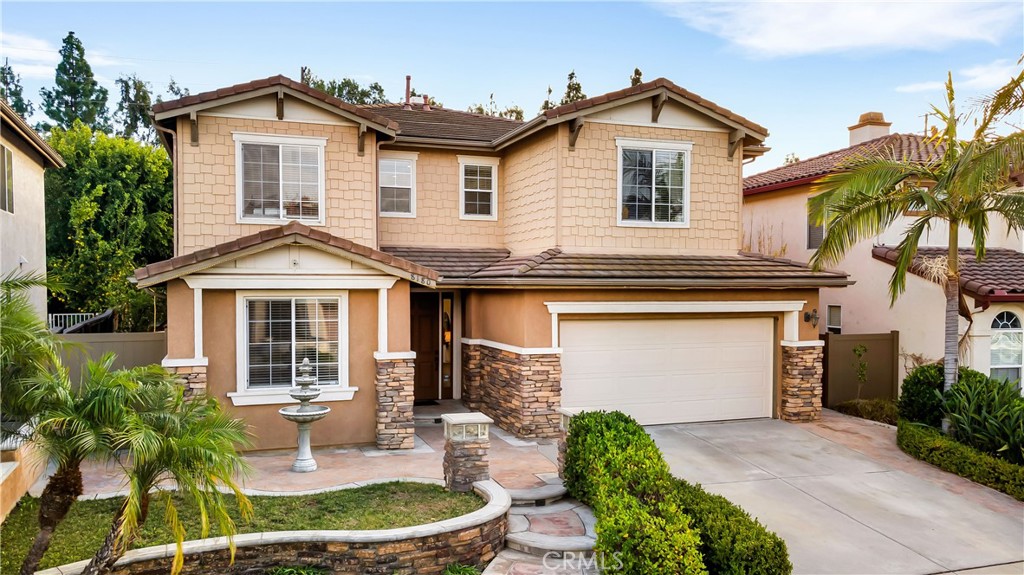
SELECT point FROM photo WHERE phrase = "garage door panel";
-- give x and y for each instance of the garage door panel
(666, 371)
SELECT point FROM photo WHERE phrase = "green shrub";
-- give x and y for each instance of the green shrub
(988, 415)
(300, 570)
(920, 401)
(877, 409)
(659, 524)
(932, 446)
(460, 569)
(732, 542)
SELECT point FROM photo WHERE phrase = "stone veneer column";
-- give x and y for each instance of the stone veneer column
(471, 357)
(395, 396)
(802, 369)
(192, 378)
(466, 441)
(522, 392)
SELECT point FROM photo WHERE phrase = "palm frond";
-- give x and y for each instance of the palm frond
(906, 251)
(1005, 102)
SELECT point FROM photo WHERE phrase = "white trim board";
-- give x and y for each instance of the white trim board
(297, 282)
(513, 348)
(185, 362)
(386, 355)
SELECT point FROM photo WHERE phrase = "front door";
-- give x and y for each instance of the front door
(425, 312)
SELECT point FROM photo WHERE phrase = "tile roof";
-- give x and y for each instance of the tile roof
(906, 146)
(278, 80)
(444, 124)
(999, 276)
(161, 271)
(554, 267)
(13, 122)
(653, 85)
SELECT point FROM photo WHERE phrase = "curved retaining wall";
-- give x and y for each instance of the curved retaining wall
(471, 539)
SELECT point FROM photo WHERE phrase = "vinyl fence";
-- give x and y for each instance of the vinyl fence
(882, 358)
(132, 349)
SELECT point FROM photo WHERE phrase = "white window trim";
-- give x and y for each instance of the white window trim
(1019, 366)
(478, 161)
(828, 315)
(244, 396)
(250, 138)
(664, 145)
(411, 157)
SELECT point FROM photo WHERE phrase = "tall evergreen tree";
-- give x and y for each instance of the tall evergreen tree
(573, 90)
(133, 109)
(637, 77)
(76, 95)
(10, 90)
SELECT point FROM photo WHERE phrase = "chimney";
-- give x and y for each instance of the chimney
(871, 125)
(408, 90)
(426, 103)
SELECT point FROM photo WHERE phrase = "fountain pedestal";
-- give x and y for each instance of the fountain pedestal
(304, 415)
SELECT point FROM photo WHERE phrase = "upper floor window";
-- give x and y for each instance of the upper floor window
(654, 183)
(6, 180)
(815, 232)
(279, 178)
(397, 181)
(1007, 348)
(478, 188)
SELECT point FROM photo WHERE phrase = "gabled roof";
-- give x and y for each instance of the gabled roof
(910, 147)
(999, 277)
(269, 85)
(291, 233)
(15, 123)
(443, 123)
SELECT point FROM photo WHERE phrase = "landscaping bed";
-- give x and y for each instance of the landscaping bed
(877, 409)
(379, 506)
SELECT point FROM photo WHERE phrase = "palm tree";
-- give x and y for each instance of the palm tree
(76, 424)
(176, 444)
(970, 182)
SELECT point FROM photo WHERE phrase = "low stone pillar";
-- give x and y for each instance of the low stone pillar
(191, 377)
(396, 373)
(466, 441)
(566, 414)
(802, 370)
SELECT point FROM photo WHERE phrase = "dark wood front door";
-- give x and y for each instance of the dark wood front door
(425, 333)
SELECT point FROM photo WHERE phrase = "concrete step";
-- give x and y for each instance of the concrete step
(566, 527)
(540, 545)
(512, 562)
(538, 496)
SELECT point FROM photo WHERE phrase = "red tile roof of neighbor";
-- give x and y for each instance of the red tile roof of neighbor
(902, 146)
(1000, 276)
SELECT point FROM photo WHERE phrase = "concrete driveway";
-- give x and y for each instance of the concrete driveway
(846, 500)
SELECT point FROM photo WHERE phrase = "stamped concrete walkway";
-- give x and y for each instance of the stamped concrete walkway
(847, 500)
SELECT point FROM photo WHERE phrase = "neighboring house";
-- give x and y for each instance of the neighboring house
(587, 258)
(775, 220)
(23, 158)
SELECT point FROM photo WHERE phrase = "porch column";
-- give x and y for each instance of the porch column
(802, 369)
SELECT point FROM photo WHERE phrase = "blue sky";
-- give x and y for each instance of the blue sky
(806, 70)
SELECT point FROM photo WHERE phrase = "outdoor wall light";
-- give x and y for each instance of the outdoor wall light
(811, 317)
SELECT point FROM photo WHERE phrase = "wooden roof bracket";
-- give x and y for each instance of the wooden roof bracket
(735, 141)
(280, 104)
(193, 119)
(362, 139)
(657, 103)
(574, 131)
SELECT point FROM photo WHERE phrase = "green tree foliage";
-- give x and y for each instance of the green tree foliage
(76, 94)
(133, 109)
(176, 90)
(11, 91)
(492, 109)
(573, 90)
(547, 104)
(637, 78)
(347, 89)
(108, 211)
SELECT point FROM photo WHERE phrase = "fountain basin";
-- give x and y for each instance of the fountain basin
(304, 413)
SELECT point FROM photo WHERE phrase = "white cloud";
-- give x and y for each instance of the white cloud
(37, 58)
(980, 78)
(767, 29)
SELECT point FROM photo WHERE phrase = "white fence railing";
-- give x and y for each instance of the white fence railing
(66, 320)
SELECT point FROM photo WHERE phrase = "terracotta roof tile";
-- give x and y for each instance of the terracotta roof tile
(444, 123)
(1001, 273)
(450, 263)
(903, 146)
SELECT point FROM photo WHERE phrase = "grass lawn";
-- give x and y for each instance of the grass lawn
(380, 506)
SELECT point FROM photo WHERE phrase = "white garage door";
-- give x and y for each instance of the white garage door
(669, 370)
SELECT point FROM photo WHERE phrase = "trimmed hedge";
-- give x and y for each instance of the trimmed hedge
(660, 524)
(930, 445)
(876, 409)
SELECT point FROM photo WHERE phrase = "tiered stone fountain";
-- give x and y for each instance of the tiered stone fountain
(304, 414)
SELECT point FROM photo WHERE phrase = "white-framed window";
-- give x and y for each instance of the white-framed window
(815, 232)
(653, 183)
(1007, 348)
(478, 188)
(396, 176)
(6, 180)
(276, 331)
(279, 178)
(834, 319)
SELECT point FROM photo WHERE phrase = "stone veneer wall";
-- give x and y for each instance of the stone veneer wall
(465, 463)
(802, 369)
(521, 392)
(395, 396)
(193, 378)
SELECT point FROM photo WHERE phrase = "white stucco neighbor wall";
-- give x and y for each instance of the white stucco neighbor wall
(23, 233)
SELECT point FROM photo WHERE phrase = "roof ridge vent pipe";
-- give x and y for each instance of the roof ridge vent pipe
(408, 92)
(426, 103)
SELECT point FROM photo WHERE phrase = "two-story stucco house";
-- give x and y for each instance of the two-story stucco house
(775, 216)
(586, 258)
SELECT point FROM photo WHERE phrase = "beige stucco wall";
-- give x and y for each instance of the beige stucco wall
(23, 233)
(531, 180)
(590, 194)
(520, 318)
(207, 203)
(180, 320)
